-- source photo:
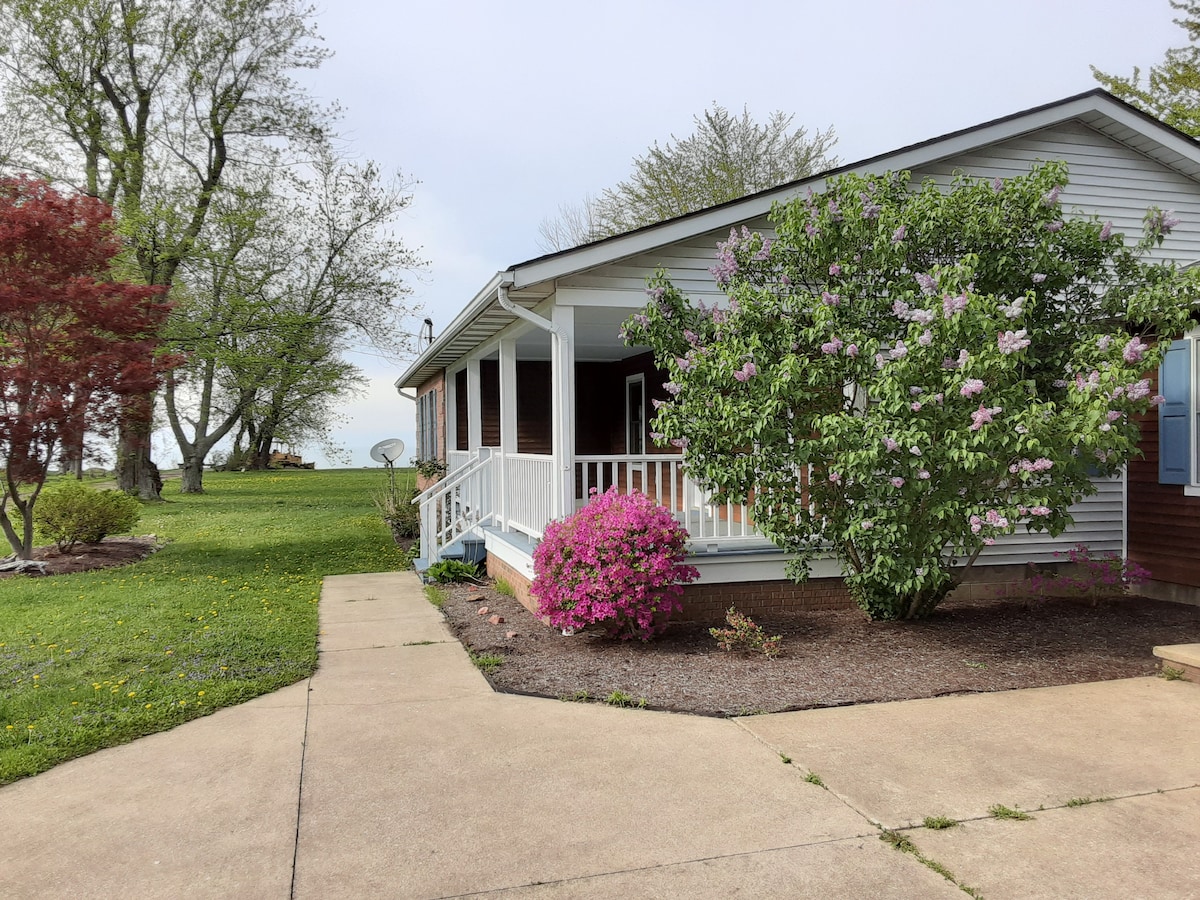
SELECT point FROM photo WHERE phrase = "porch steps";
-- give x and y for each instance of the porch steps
(1184, 658)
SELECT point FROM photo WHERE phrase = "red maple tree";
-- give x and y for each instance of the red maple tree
(74, 339)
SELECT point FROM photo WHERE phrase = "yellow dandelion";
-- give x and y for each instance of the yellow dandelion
(131, 694)
(199, 693)
(148, 705)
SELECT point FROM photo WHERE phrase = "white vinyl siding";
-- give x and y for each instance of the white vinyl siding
(1098, 525)
(1107, 179)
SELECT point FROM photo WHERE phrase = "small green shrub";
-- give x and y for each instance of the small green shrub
(400, 513)
(431, 469)
(744, 634)
(452, 570)
(1169, 673)
(504, 588)
(74, 513)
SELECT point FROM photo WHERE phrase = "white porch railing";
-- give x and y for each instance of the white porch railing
(661, 477)
(456, 459)
(516, 492)
(458, 505)
(528, 480)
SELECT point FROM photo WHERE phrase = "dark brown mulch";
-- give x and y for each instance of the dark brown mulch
(830, 658)
(112, 551)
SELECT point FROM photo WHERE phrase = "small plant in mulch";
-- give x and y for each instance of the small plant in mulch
(1095, 577)
(744, 634)
(452, 570)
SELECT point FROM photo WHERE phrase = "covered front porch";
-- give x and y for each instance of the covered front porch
(556, 407)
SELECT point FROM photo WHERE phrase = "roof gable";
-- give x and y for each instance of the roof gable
(534, 279)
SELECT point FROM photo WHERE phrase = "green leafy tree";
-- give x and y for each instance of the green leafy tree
(902, 376)
(1171, 90)
(151, 105)
(726, 157)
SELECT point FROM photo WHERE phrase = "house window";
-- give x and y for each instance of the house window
(1179, 415)
(427, 442)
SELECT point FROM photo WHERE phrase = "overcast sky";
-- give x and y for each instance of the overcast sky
(503, 110)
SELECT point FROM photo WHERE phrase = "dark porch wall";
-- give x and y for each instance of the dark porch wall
(600, 404)
(461, 424)
(1164, 524)
(533, 405)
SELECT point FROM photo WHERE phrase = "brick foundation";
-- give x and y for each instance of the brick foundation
(708, 603)
(497, 568)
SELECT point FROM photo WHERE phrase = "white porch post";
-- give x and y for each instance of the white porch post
(508, 424)
(474, 402)
(562, 393)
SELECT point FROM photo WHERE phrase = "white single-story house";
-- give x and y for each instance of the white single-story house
(530, 397)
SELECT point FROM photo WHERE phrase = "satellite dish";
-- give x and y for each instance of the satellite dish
(387, 452)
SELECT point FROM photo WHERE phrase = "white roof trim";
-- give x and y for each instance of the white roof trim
(1091, 108)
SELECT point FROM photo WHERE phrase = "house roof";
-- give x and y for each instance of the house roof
(533, 280)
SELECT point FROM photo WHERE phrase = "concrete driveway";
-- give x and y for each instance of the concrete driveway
(396, 772)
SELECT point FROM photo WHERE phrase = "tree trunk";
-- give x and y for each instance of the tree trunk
(191, 476)
(136, 472)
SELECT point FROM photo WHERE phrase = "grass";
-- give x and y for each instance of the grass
(502, 587)
(226, 611)
(999, 811)
(1076, 802)
(938, 823)
(901, 842)
(436, 595)
(487, 663)
(814, 778)
(622, 699)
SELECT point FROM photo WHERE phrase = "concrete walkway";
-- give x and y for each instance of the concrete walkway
(396, 772)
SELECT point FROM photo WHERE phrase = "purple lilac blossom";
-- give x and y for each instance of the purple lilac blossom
(898, 234)
(830, 348)
(890, 444)
(914, 450)
(1052, 196)
(983, 416)
(927, 283)
(926, 338)
(971, 387)
(1039, 277)
(1134, 350)
(1012, 341)
(952, 305)
(897, 482)
(1106, 231)
(835, 269)
(1054, 226)
(852, 350)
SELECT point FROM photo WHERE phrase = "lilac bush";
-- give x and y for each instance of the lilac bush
(618, 562)
(902, 375)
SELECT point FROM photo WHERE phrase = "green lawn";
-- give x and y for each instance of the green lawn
(226, 611)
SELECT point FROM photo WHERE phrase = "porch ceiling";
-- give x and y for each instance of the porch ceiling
(597, 337)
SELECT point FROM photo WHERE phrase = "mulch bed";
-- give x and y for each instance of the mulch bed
(829, 658)
(112, 551)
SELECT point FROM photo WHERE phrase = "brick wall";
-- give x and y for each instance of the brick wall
(709, 602)
(438, 383)
(497, 568)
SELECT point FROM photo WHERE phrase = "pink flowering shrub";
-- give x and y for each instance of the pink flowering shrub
(744, 633)
(617, 562)
(1103, 576)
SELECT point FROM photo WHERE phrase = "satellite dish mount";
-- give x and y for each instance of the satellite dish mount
(387, 452)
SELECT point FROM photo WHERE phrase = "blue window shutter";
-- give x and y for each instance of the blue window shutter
(1174, 416)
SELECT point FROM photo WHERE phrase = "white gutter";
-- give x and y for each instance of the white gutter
(521, 312)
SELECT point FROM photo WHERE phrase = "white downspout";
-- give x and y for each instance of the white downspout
(561, 413)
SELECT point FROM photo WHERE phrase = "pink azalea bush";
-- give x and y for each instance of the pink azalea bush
(618, 562)
(1108, 575)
